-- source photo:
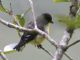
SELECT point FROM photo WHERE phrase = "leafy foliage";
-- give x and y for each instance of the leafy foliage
(3, 9)
(70, 23)
(60, 0)
(78, 21)
(20, 19)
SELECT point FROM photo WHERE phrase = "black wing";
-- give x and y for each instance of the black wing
(25, 39)
(28, 36)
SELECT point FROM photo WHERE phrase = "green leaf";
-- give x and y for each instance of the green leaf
(21, 20)
(60, 0)
(19, 33)
(3, 9)
(67, 21)
(78, 21)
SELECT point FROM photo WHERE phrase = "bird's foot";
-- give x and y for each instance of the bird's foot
(39, 46)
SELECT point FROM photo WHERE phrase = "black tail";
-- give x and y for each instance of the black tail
(20, 45)
(18, 48)
(24, 40)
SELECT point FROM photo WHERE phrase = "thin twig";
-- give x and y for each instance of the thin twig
(73, 43)
(3, 56)
(52, 41)
(14, 17)
(68, 56)
(41, 47)
(47, 51)
(46, 35)
(24, 29)
(23, 14)
(30, 30)
(78, 11)
(32, 8)
(62, 46)
(11, 25)
(67, 36)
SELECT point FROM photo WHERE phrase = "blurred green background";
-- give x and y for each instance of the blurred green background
(9, 35)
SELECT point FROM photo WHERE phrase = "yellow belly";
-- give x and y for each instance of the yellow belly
(39, 38)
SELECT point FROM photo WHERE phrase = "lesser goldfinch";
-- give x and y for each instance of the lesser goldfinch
(35, 38)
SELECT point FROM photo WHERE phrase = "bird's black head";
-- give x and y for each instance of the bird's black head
(48, 17)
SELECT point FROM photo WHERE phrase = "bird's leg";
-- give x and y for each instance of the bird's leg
(39, 46)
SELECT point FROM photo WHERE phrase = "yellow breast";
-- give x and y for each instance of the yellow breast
(39, 38)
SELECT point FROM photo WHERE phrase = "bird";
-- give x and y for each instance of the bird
(43, 21)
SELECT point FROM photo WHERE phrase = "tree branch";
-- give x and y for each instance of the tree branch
(10, 25)
(14, 17)
(67, 34)
(32, 8)
(3, 56)
(62, 46)
(43, 33)
(30, 30)
(24, 29)
(73, 43)
(34, 30)
(68, 56)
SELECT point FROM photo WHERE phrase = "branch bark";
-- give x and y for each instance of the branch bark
(32, 8)
(62, 46)
(3, 56)
(18, 27)
(73, 44)
(67, 34)
(10, 25)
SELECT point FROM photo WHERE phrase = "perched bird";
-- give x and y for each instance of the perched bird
(35, 38)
